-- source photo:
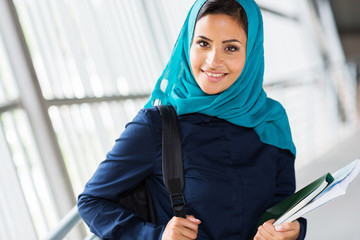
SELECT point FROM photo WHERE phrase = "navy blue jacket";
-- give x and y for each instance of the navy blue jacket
(231, 178)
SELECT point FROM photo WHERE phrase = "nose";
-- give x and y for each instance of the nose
(214, 58)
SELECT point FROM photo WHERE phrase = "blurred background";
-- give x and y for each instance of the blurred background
(74, 72)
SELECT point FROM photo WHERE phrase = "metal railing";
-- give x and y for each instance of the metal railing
(66, 224)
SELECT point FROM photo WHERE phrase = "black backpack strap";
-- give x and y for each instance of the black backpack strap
(172, 163)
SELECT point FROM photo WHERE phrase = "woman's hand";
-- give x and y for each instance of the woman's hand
(285, 231)
(180, 228)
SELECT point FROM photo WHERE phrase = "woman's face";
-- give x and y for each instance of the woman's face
(218, 52)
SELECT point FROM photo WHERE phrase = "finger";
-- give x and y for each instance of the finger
(188, 233)
(271, 221)
(285, 227)
(193, 219)
(262, 234)
(178, 221)
(269, 228)
(179, 228)
(259, 237)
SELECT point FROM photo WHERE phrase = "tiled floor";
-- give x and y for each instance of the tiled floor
(338, 219)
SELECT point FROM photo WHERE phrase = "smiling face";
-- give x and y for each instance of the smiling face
(218, 52)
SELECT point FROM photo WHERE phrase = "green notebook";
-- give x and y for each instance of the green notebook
(289, 206)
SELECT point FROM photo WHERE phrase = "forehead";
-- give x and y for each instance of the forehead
(218, 25)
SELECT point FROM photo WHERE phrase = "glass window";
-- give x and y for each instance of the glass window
(23, 152)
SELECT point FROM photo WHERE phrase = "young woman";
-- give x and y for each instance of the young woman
(237, 149)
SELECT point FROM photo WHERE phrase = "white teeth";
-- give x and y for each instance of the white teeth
(214, 75)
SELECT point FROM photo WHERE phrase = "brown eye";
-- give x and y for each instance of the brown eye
(202, 43)
(232, 48)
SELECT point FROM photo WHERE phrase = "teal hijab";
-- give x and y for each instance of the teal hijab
(244, 103)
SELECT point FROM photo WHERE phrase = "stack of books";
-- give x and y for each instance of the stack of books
(318, 192)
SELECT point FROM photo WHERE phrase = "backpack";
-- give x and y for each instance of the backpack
(139, 199)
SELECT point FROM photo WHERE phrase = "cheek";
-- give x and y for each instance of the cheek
(192, 60)
(195, 61)
(237, 66)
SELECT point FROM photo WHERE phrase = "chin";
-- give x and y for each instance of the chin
(211, 91)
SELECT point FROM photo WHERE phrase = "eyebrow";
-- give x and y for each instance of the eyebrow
(225, 41)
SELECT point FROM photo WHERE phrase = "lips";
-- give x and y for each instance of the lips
(214, 76)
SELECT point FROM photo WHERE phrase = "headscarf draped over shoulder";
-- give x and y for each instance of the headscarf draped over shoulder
(244, 103)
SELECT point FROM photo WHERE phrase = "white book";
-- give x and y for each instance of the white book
(342, 179)
(301, 204)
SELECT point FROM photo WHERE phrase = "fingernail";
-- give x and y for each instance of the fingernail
(278, 227)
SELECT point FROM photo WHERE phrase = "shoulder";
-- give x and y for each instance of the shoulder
(143, 131)
(147, 115)
(147, 122)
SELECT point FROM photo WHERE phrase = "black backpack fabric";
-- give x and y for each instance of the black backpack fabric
(139, 199)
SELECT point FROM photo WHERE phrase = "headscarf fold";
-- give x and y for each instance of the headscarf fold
(244, 103)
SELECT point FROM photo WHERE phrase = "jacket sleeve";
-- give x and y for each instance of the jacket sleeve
(285, 185)
(127, 164)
